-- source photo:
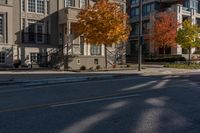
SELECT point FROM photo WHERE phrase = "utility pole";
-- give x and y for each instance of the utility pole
(140, 37)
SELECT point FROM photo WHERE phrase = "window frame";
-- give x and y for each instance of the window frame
(82, 6)
(95, 50)
(2, 60)
(36, 7)
(1, 25)
(69, 4)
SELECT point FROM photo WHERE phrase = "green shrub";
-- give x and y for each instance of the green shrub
(165, 59)
(114, 66)
(16, 63)
(183, 66)
(83, 68)
(128, 65)
(98, 67)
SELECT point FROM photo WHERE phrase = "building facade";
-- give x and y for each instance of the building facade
(184, 9)
(40, 33)
(6, 33)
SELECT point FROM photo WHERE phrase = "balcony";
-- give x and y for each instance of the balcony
(35, 38)
(171, 1)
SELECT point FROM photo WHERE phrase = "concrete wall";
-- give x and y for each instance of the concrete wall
(87, 61)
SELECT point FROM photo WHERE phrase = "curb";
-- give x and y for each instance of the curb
(56, 80)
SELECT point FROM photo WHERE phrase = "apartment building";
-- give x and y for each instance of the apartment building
(40, 33)
(6, 33)
(184, 9)
(79, 53)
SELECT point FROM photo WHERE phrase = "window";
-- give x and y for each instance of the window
(82, 3)
(1, 25)
(96, 61)
(40, 6)
(36, 6)
(148, 8)
(40, 33)
(134, 1)
(31, 32)
(48, 7)
(23, 5)
(31, 5)
(35, 31)
(3, 2)
(95, 49)
(82, 45)
(23, 24)
(47, 27)
(135, 29)
(69, 3)
(145, 27)
(134, 12)
(76, 49)
(2, 57)
(36, 58)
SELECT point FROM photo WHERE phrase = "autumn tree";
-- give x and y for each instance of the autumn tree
(164, 30)
(188, 37)
(104, 23)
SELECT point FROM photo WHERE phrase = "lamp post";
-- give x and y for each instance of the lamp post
(140, 37)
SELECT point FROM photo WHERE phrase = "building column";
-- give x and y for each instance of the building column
(88, 49)
(103, 50)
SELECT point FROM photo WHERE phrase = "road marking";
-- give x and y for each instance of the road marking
(139, 86)
(95, 100)
(68, 103)
(161, 84)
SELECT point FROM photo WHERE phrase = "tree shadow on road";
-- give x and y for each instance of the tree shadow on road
(165, 104)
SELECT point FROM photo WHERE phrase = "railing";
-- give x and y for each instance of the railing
(35, 38)
(186, 9)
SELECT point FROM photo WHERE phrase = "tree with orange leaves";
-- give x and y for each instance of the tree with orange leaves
(103, 23)
(164, 30)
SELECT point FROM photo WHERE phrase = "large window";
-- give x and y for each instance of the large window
(36, 58)
(36, 6)
(35, 32)
(190, 4)
(134, 1)
(1, 25)
(135, 29)
(134, 11)
(148, 8)
(23, 5)
(69, 3)
(145, 27)
(31, 5)
(2, 57)
(48, 7)
(31, 32)
(82, 45)
(82, 3)
(40, 6)
(3, 1)
(95, 49)
(39, 33)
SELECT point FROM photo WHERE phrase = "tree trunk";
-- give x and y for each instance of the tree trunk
(189, 56)
(106, 63)
(163, 51)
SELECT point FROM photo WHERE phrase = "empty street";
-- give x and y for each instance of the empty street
(133, 104)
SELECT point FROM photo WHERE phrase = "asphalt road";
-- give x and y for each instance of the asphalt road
(138, 104)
